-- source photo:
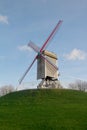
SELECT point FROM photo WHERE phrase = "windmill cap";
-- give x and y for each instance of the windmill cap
(50, 54)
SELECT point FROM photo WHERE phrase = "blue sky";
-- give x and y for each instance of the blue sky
(25, 20)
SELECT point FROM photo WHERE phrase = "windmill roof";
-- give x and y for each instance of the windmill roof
(50, 54)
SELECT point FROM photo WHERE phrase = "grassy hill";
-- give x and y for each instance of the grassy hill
(44, 110)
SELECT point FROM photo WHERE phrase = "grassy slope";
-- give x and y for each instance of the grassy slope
(44, 110)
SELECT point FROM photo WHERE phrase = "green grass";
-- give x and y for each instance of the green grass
(44, 110)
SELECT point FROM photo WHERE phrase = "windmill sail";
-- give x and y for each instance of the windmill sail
(34, 47)
(40, 51)
(27, 70)
(51, 35)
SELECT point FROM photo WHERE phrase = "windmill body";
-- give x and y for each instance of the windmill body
(44, 69)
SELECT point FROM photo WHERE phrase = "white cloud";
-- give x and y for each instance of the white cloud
(24, 48)
(3, 19)
(76, 54)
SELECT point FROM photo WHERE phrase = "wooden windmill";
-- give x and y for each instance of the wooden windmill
(46, 63)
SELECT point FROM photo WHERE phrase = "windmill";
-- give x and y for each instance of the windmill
(46, 63)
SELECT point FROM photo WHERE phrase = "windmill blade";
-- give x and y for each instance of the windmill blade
(34, 47)
(27, 70)
(45, 58)
(51, 35)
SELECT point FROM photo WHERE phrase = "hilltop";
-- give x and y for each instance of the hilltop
(51, 109)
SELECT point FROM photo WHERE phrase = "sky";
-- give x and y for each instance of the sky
(25, 20)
